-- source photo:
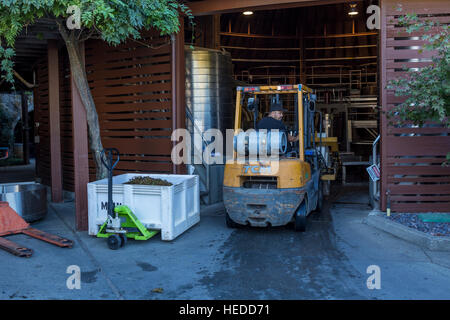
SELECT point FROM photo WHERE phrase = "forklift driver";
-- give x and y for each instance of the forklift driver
(273, 121)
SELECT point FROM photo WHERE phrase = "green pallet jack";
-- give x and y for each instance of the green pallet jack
(121, 222)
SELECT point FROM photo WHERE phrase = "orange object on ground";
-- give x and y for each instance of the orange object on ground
(11, 223)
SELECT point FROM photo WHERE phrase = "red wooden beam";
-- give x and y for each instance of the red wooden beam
(178, 87)
(80, 155)
(383, 99)
(174, 96)
(25, 129)
(54, 121)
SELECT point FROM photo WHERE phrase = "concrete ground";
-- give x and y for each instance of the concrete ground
(210, 261)
(407, 270)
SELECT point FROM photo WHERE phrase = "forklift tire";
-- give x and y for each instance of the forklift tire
(230, 223)
(123, 240)
(114, 242)
(300, 218)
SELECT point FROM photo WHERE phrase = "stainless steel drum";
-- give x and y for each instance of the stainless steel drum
(29, 200)
(260, 143)
(209, 89)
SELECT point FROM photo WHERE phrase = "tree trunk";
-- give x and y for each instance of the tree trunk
(80, 78)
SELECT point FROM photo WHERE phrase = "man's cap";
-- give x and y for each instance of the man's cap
(277, 106)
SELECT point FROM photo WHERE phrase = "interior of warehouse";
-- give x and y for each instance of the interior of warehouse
(328, 48)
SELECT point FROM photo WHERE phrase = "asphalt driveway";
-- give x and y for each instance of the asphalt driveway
(210, 261)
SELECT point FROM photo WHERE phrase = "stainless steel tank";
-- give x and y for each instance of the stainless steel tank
(209, 91)
(29, 200)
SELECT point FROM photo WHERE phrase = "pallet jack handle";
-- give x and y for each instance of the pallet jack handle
(109, 154)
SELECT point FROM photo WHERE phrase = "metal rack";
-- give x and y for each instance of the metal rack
(361, 113)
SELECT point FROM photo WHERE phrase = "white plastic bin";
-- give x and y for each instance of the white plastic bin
(171, 209)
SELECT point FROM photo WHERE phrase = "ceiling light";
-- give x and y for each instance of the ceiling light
(353, 11)
(247, 13)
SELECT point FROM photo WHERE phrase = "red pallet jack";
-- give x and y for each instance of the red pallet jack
(11, 223)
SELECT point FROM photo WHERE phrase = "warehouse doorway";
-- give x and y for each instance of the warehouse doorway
(325, 47)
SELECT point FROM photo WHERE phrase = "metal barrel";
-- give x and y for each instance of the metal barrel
(260, 143)
(209, 93)
(29, 200)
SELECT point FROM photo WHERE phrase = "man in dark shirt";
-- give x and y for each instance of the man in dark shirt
(273, 121)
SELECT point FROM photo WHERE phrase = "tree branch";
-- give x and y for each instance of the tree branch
(79, 33)
(148, 45)
(88, 36)
(26, 83)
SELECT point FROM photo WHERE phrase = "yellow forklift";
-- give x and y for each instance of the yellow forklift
(286, 187)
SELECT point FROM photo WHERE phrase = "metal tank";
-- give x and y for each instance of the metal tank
(209, 93)
(209, 105)
(28, 199)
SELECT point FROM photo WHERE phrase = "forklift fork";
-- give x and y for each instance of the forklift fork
(11, 223)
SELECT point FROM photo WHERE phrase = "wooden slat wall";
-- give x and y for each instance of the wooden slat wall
(411, 157)
(132, 89)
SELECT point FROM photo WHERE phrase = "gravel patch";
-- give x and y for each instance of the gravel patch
(441, 229)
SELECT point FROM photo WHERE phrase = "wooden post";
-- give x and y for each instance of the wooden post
(216, 33)
(383, 99)
(178, 87)
(54, 121)
(80, 154)
(302, 71)
(25, 129)
(174, 97)
(301, 41)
